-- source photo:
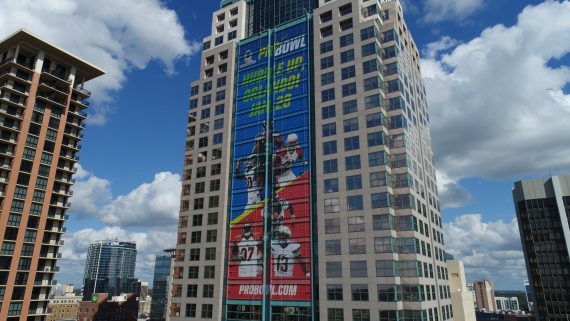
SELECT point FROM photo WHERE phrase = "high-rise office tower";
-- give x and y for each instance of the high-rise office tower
(110, 269)
(162, 286)
(485, 295)
(543, 212)
(42, 103)
(309, 189)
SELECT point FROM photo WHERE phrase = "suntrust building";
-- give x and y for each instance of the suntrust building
(309, 190)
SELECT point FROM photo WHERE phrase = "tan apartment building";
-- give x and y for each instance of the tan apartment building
(64, 307)
(485, 295)
(42, 104)
(461, 297)
(329, 95)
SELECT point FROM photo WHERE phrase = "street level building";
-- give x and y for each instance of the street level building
(64, 307)
(42, 114)
(543, 211)
(309, 190)
(110, 268)
(101, 307)
(461, 295)
(485, 295)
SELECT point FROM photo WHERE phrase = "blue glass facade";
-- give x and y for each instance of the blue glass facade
(160, 287)
(110, 268)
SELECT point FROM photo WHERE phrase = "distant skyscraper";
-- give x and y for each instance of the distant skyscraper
(309, 189)
(110, 268)
(485, 295)
(543, 211)
(162, 286)
(42, 103)
(461, 296)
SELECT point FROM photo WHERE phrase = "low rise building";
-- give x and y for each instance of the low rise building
(124, 307)
(63, 307)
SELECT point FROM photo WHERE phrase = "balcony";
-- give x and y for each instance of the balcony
(7, 152)
(76, 124)
(13, 100)
(8, 73)
(74, 134)
(56, 75)
(53, 84)
(82, 91)
(52, 99)
(15, 88)
(7, 60)
(77, 113)
(11, 113)
(82, 103)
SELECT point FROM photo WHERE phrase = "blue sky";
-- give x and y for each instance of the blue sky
(486, 63)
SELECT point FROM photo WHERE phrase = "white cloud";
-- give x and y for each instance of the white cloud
(440, 10)
(489, 249)
(114, 35)
(149, 244)
(151, 204)
(498, 106)
(89, 193)
(148, 205)
(434, 49)
(451, 193)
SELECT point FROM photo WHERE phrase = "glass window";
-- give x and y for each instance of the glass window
(373, 101)
(375, 139)
(370, 66)
(359, 292)
(192, 291)
(331, 185)
(349, 107)
(332, 226)
(371, 83)
(334, 269)
(328, 112)
(357, 246)
(358, 269)
(332, 205)
(374, 120)
(352, 162)
(346, 40)
(351, 143)
(332, 247)
(356, 224)
(354, 203)
(329, 147)
(378, 179)
(327, 78)
(385, 269)
(327, 46)
(369, 49)
(380, 200)
(348, 72)
(350, 125)
(376, 159)
(327, 62)
(384, 245)
(327, 95)
(347, 56)
(389, 293)
(330, 166)
(361, 314)
(353, 182)
(367, 33)
(349, 89)
(329, 129)
(334, 292)
(335, 315)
